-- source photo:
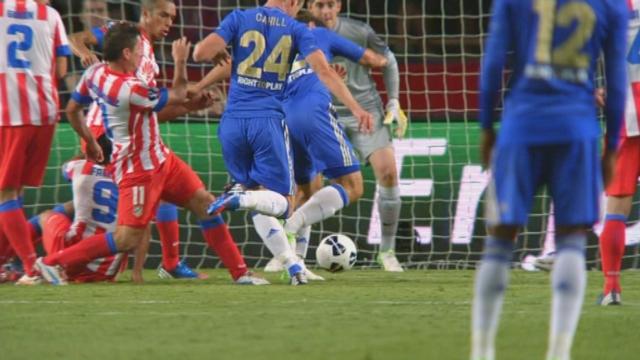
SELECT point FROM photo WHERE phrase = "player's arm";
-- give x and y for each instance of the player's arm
(75, 116)
(352, 51)
(216, 75)
(334, 83)
(213, 47)
(391, 79)
(615, 47)
(173, 105)
(80, 42)
(493, 63)
(61, 43)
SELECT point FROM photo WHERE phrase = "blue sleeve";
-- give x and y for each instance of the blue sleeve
(615, 47)
(494, 61)
(98, 33)
(81, 99)
(344, 47)
(163, 98)
(304, 39)
(229, 26)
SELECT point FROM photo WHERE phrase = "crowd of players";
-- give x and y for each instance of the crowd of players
(128, 177)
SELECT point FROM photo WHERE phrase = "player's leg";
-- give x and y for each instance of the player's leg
(55, 224)
(24, 152)
(185, 187)
(619, 200)
(169, 230)
(303, 194)
(515, 177)
(575, 187)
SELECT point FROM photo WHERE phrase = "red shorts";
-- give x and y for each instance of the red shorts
(140, 194)
(24, 152)
(54, 233)
(625, 179)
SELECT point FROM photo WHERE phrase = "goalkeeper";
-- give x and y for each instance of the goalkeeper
(376, 147)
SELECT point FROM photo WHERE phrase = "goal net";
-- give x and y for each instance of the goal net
(438, 45)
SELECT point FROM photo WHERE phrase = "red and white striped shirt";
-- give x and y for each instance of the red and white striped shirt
(632, 114)
(146, 72)
(32, 36)
(95, 203)
(128, 108)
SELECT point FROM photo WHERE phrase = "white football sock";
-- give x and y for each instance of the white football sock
(265, 202)
(321, 205)
(272, 234)
(568, 281)
(389, 205)
(302, 241)
(491, 281)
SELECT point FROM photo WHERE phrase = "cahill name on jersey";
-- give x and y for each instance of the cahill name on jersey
(264, 41)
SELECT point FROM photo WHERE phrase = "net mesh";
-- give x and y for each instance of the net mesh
(438, 44)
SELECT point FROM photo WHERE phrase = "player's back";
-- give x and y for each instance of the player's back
(95, 198)
(556, 45)
(265, 41)
(31, 37)
(303, 81)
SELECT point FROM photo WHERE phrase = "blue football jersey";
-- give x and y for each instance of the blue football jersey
(264, 43)
(303, 80)
(554, 47)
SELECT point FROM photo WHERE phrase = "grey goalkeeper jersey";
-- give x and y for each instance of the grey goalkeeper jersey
(359, 80)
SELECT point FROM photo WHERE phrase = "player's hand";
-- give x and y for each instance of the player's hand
(365, 121)
(222, 58)
(608, 166)
(600, 97)
(394, 112)
(487, 140)
(200, 101)
(94, 151)
(88, 59)
(180, 49)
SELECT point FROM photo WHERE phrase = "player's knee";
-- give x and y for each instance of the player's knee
(388, 177)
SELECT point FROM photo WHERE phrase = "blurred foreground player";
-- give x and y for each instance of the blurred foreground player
(549, 137)
(35, 45)
(144, 171)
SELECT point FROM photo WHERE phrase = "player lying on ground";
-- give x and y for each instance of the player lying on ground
(155, 22)
(549, 136)
(375, 148)
(34, 48)
(145, 172)
(252, 131)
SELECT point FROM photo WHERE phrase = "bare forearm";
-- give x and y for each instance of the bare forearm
(337, 87)
(61, 67)
(77, 42)
(217, 74)
(171, 112)
(76, 119)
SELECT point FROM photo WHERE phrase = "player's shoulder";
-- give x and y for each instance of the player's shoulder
(353, 25)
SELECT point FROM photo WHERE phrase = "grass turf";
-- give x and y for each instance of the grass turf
(362, 314)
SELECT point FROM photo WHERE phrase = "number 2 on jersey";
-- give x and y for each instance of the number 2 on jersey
(569, 53)
(105, 193)
(16, 46)
(277, 61)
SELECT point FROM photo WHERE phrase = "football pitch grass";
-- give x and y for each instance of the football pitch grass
(362, 314)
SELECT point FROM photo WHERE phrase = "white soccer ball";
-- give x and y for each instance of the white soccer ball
(336, 252)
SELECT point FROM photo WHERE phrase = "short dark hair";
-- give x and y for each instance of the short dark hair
(305, 16)
(151, 4)
(107, 148)
(120, 36)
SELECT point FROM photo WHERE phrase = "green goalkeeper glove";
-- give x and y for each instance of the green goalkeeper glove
(395, 112)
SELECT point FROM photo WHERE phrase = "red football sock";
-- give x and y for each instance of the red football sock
(83, 252)
(170, 241)
(218, 237)
(612, 242)
(6, 251)
(15, 227)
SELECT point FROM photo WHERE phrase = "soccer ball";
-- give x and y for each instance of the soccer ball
(336, 252)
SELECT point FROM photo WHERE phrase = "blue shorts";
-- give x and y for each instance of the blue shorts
(571, 172)
(256, 152)
(318, 142)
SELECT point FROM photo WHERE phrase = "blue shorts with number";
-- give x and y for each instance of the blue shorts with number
(570, 171)
(256, 152)
(318, 142)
